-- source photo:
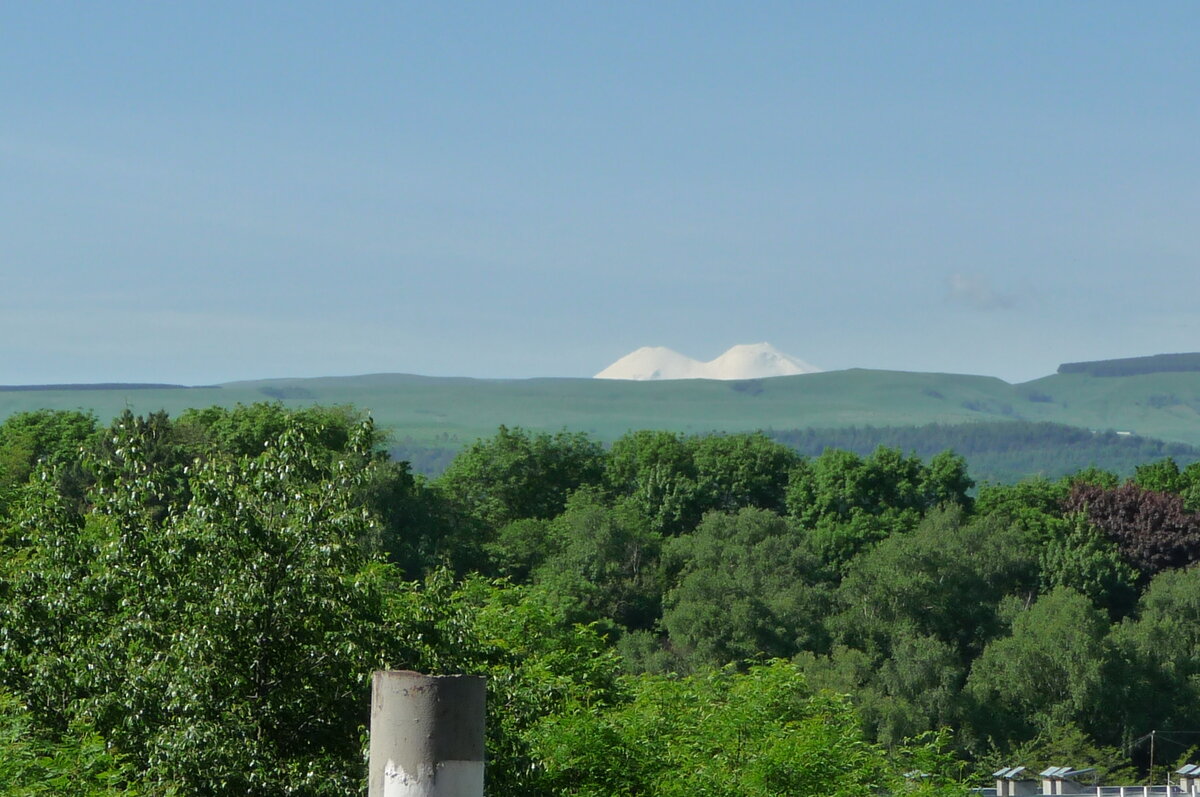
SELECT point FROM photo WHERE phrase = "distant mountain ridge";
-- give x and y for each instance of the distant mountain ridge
(99, 386)
(1132, 366)
(744, 361)
(438, 414)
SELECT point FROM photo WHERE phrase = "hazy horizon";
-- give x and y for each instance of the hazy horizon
(601, 375)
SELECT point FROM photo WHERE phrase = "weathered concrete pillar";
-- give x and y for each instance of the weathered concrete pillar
(426, 735)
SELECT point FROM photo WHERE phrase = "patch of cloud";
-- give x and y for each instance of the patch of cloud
(974, 291)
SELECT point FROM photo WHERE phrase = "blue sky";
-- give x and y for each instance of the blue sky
(202, 192)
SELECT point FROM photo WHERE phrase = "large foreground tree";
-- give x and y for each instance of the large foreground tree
(222, 645)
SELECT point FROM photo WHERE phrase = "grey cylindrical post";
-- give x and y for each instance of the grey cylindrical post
(426, 735)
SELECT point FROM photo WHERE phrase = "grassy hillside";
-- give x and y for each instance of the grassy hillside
(1163, 405)
(449, 411)
(429, 410)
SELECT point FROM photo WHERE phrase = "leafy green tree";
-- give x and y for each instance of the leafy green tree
(1096, 477)
(1054, 669)
(246, 429)
(520, 547)
(603, 562)
(849, 503)
(1190, 487)
(1166, 476)
(53, 437)
(674, 480)
(742, 470)
(1085, 560)
(945, 580)
(945, 481)
(1159, 686)
(1163, 476)
(537, 663)
(744, 588)
(420, 529)
(656, 474)
(518, 474)
(77, 763)
(644, 651)
(721, 734)
(912, 612)
(1033, 505)
(146, 448)
(222, 645)
(916, 689)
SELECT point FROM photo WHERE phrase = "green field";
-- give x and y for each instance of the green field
(437, 411)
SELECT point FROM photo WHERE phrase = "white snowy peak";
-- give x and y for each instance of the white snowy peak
(653, 362)
(746, 361)
(755, 361)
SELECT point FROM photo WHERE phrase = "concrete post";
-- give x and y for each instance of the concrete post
(426, 735)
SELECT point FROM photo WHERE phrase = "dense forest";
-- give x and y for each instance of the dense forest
(1000, 451)
(995, 452)
(194, 604)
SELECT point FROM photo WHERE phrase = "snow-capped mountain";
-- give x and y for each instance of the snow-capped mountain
(746, 361)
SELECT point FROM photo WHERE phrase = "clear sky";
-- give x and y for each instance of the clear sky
(202, 192)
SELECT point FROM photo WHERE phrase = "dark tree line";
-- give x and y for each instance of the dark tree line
(194, 603)
(1000, 451)
(996, 451)
(1134, 366)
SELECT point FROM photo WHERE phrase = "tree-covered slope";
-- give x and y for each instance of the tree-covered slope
(1007, 451)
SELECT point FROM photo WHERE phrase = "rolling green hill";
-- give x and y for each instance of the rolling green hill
(447, 412)
(429, 409)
